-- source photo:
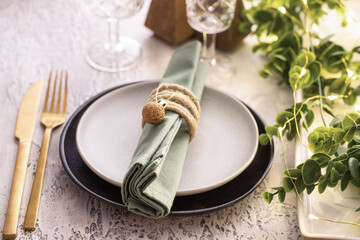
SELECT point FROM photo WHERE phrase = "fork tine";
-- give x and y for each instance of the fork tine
(52, 106)
(59, 94)
(66, 90)
(47, 92)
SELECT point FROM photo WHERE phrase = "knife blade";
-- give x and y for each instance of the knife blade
(24, 131)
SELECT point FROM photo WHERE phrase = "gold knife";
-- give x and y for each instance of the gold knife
(24, 131)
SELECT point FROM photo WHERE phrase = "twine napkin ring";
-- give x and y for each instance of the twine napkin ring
(175, 98)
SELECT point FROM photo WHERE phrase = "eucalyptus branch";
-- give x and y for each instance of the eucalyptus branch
(281, 28)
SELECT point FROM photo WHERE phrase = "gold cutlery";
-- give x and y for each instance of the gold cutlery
(51, 117)
(24, 131)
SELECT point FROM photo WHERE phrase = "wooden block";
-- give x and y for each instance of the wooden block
(167, 19)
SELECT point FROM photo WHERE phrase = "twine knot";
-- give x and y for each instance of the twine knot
(175, 98)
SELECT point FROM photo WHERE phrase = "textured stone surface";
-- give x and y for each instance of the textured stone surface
(39, 35)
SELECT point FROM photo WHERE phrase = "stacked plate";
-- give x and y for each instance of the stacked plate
(223, 165)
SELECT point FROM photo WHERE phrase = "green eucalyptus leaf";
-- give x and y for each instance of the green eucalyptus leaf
(280, 57)
(341, 53)
(321, 159)
(265, 73)
(315, 69)
(305, 124)
(278, 67)
(338, 134)
(304, 71)
(311, 172)
(350, 98)
(262, 16)
(349, 133)
(264, 139)
(305, 58)
(333, 149)
(293, 173)
(325, 140)
(281, 195)
(356, 136)
(310, 189)
(286, 120)
(245, 27)
(328, 169)
(326, 49)
(352, 143)
(250, 17)
(300, 166)
(356, 49)
(276, 54)
(331, 62)
(307, 80)
(291, 134)
(342, 157)
(354, 168)
(355, 182)
(340, 167)
(345, 179)
(272, 130)
(283, 116)
(316, 141)
(291, 54)
(331, 184)
(288, 184)
(329, 111)
(322, 184)
(294, 78)
(350, 120)
(267, 196)
(261, 47)
(337, 85)
(310, 118)
(300, 186)
(289, 40)
(354, 151)
(334, 176)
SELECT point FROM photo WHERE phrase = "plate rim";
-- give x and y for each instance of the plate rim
(184, 192)
(172, 212)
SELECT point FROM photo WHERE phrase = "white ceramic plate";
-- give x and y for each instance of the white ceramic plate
(224, 145)
(332, 204)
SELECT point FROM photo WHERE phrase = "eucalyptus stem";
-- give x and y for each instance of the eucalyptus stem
(310, 68)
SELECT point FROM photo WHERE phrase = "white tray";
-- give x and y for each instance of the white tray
(332, 204)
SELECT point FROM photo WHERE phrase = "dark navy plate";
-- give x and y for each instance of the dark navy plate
(223, 196)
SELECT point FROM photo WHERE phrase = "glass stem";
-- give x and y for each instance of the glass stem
(112, 43)
(208, 52)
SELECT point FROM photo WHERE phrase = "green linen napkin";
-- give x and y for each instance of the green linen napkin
(151, 182)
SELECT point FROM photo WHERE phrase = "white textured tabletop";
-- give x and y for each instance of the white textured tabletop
(39, 35)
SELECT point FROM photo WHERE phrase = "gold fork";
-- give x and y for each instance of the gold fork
(51, 117)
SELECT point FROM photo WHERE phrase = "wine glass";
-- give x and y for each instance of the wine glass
(116, 53)
(211, 17)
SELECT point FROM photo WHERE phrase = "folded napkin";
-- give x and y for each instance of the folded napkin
(150, 184)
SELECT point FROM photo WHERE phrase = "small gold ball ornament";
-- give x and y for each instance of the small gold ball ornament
(153, 112)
